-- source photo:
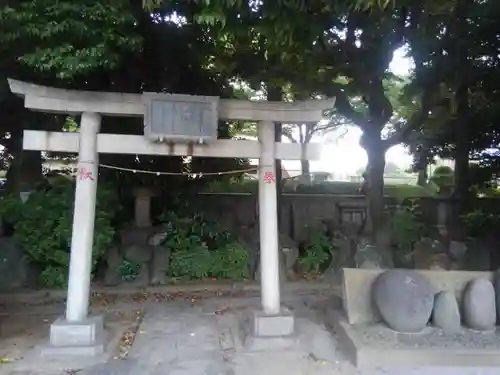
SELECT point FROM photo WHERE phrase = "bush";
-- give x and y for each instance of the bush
(200, 248)
(317, 251)
(231, 262)
(128, 271)
(406, 227)
(328, 187)
(479, 224)
(243, 186)
(444, 178)
(43, 226)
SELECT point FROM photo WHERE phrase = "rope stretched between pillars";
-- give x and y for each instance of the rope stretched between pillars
(235, 171)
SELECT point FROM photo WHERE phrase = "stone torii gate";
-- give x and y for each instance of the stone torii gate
(79, 334)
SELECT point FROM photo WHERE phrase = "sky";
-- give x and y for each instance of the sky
(344, 156)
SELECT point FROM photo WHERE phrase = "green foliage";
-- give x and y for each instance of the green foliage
(231, 261)
(442, 171)
(43, 227)
(54, 276)
(479, 223)
(202, 249)
(66, 37)
(243, 186)
(192, 263)
(406, 226)
(128, 271)
(329, 187)
(443, 178)
(317, 251)
(10, 208)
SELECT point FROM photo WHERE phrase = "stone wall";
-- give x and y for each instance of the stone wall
(239, 214)
(297, 210)
(430, 208)
(238, 211)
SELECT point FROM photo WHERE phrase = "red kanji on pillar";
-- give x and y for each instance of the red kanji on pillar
(269, 178)
(84, 174)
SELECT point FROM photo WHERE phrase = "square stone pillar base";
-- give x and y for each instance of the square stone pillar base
(85, 338)
(268, 332)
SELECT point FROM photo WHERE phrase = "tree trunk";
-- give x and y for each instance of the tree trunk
(305, 167)
(375, 150)
(422, 166)
(461, 175)
(422, 177)
(459, 53)
(462, 144)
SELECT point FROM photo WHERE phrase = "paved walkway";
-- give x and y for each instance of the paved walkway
(208, 338)
(178, 340)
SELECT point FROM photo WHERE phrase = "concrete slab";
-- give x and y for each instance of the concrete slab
(263, 332)
(264, 344)
(372, 346)
(54, 352)
(273, 325)
(85, 338)
(86, 332)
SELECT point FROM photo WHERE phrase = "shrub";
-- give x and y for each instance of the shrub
(231, 261)
(328, 187)
(406, 227)
(128, 271)
(479, 223)
(43, 227)
(317, 251)
(200, 248)
(443, 177)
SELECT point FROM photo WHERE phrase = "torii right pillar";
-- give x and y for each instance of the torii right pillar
(273, 322)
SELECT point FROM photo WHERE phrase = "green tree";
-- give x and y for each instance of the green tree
(108, 46)
(68, 38)
(462, 123)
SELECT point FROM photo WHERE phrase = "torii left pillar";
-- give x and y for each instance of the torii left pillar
(77, 333)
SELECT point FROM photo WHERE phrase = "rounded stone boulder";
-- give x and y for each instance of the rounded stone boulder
(404, 299)
(446, 313)
(479, 305)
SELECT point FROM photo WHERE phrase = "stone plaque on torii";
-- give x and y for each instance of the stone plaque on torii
(175, 125)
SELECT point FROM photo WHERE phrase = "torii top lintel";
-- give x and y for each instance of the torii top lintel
(55, 100)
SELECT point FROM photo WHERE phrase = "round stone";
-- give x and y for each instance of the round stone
(404, 299)
(479, 305)
(446, 313)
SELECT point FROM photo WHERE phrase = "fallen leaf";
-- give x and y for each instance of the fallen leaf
(71, 371)
(222, 310)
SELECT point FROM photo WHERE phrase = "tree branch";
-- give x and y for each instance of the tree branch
(415, 120)
(330, 126)
(344, 106)
(290, 137)
(379, 105)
